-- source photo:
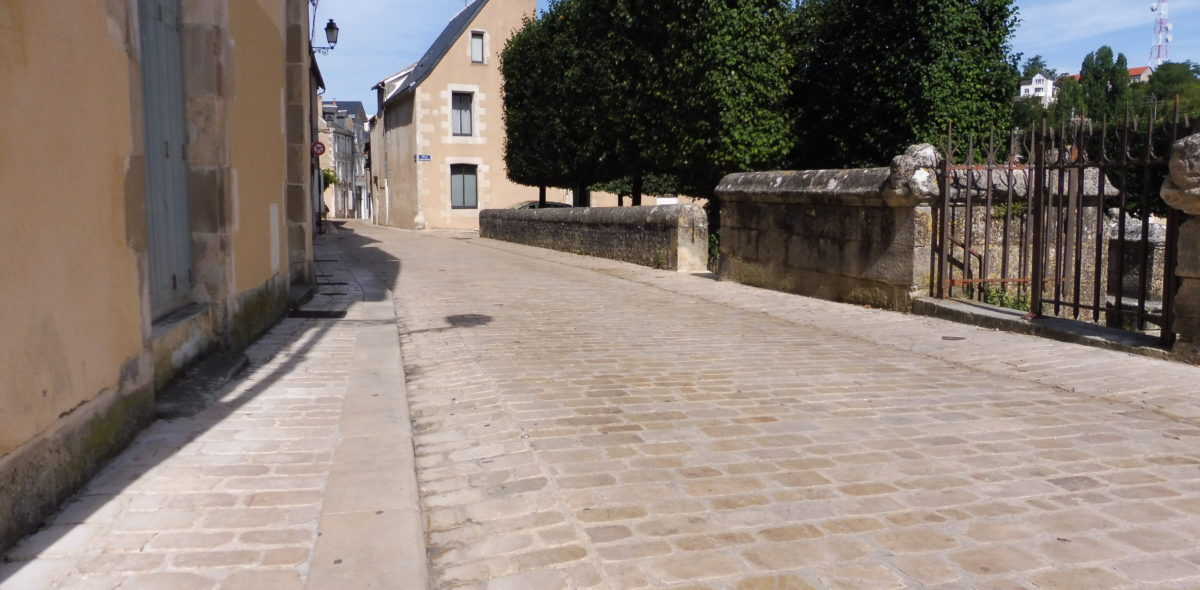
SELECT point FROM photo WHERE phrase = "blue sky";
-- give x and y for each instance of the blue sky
(379, 37)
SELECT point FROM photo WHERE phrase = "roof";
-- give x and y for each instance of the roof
(433, 56)
(1133, 72)
(353, 107)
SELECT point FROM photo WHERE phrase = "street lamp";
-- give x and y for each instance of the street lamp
(331, 35)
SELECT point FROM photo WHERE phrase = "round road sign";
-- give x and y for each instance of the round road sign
(318, 148)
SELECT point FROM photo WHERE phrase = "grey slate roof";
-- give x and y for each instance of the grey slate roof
(354, 107)
(440, 46)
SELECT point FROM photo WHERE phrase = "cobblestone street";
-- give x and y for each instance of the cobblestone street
(584, 423)
(604, 425)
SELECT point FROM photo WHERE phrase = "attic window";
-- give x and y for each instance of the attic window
(477, 47)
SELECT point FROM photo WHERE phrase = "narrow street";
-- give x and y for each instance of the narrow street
(584, 423)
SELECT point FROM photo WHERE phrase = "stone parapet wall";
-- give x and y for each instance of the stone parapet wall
(1181, 191)
(673, 237)
(844, 235)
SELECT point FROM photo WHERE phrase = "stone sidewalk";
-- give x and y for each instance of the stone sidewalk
(583, 423)
(298, 475)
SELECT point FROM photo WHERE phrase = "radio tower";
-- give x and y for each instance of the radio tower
(1162, 34)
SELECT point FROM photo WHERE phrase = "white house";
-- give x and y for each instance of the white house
(1040, 86)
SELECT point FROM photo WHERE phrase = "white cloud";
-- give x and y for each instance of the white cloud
(1063, 31)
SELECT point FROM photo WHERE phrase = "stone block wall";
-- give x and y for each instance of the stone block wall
(673, 237)
(844, 235)
(1181, 191)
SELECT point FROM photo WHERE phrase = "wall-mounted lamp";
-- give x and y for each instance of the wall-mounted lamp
(331, 35)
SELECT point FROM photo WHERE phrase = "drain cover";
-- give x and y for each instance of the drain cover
(327, 314)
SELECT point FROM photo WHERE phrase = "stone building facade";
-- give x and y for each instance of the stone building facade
(165, 215)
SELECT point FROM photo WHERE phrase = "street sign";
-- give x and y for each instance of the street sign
(424, 158)
(318, 148)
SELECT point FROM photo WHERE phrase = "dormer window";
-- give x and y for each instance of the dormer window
(477, 47)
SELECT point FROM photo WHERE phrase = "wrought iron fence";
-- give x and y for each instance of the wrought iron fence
(1062, 221)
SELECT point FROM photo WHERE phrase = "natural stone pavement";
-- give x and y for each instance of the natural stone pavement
(583, 423)
(290, 479)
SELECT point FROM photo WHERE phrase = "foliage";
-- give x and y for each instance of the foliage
(874, 77)
(1070, 102)
(1027, 110)
(1033, 66)
(653, 184)
(1000, 297)
(328, 178)
(1104, 82)
(599, 90)
(1173, 79)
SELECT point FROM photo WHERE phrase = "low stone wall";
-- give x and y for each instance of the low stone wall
(843, 235)
(673, 237)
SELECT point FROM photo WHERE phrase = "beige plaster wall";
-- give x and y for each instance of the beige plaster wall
(258, 154)
(69, 285)
(498, 19)
(400, 143)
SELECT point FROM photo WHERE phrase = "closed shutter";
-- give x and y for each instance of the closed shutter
(167, 227)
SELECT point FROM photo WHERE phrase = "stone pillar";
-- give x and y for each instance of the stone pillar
(208, 87)
(299, 141)
(1181, 192)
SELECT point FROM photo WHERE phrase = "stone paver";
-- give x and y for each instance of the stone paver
(244, 494)
(582, 423)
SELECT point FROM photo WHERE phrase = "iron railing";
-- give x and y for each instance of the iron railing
(1062, 221)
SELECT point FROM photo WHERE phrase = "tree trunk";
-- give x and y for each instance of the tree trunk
(637, 189)
(582, 198)
(541, 195)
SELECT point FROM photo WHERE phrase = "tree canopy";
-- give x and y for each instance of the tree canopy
(603, 91)
(690, 88)
(876, 76)
(1173, 79)
(1104, 82)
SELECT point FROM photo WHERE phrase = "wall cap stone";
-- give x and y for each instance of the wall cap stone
(911, 180)
(685, 215)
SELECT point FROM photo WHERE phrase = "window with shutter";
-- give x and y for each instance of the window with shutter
(463, 191)
(460, 116)
(477, 47)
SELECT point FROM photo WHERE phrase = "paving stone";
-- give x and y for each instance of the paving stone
(585, 423)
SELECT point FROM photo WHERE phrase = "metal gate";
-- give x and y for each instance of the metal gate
(168, 228)
(1062, 221)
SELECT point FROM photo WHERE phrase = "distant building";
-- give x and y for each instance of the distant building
(1040, 87)
(437, 148)
(347, 121)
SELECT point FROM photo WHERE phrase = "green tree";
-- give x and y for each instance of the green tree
(1173, 79)
(874, 77)
(1070, 102)
(629, 88)
(1035, 65)
(1105, 84)
(530, 120)
(1027, 110)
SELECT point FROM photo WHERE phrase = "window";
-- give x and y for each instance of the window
(477, 47)
(463, 194)
(460, 105)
